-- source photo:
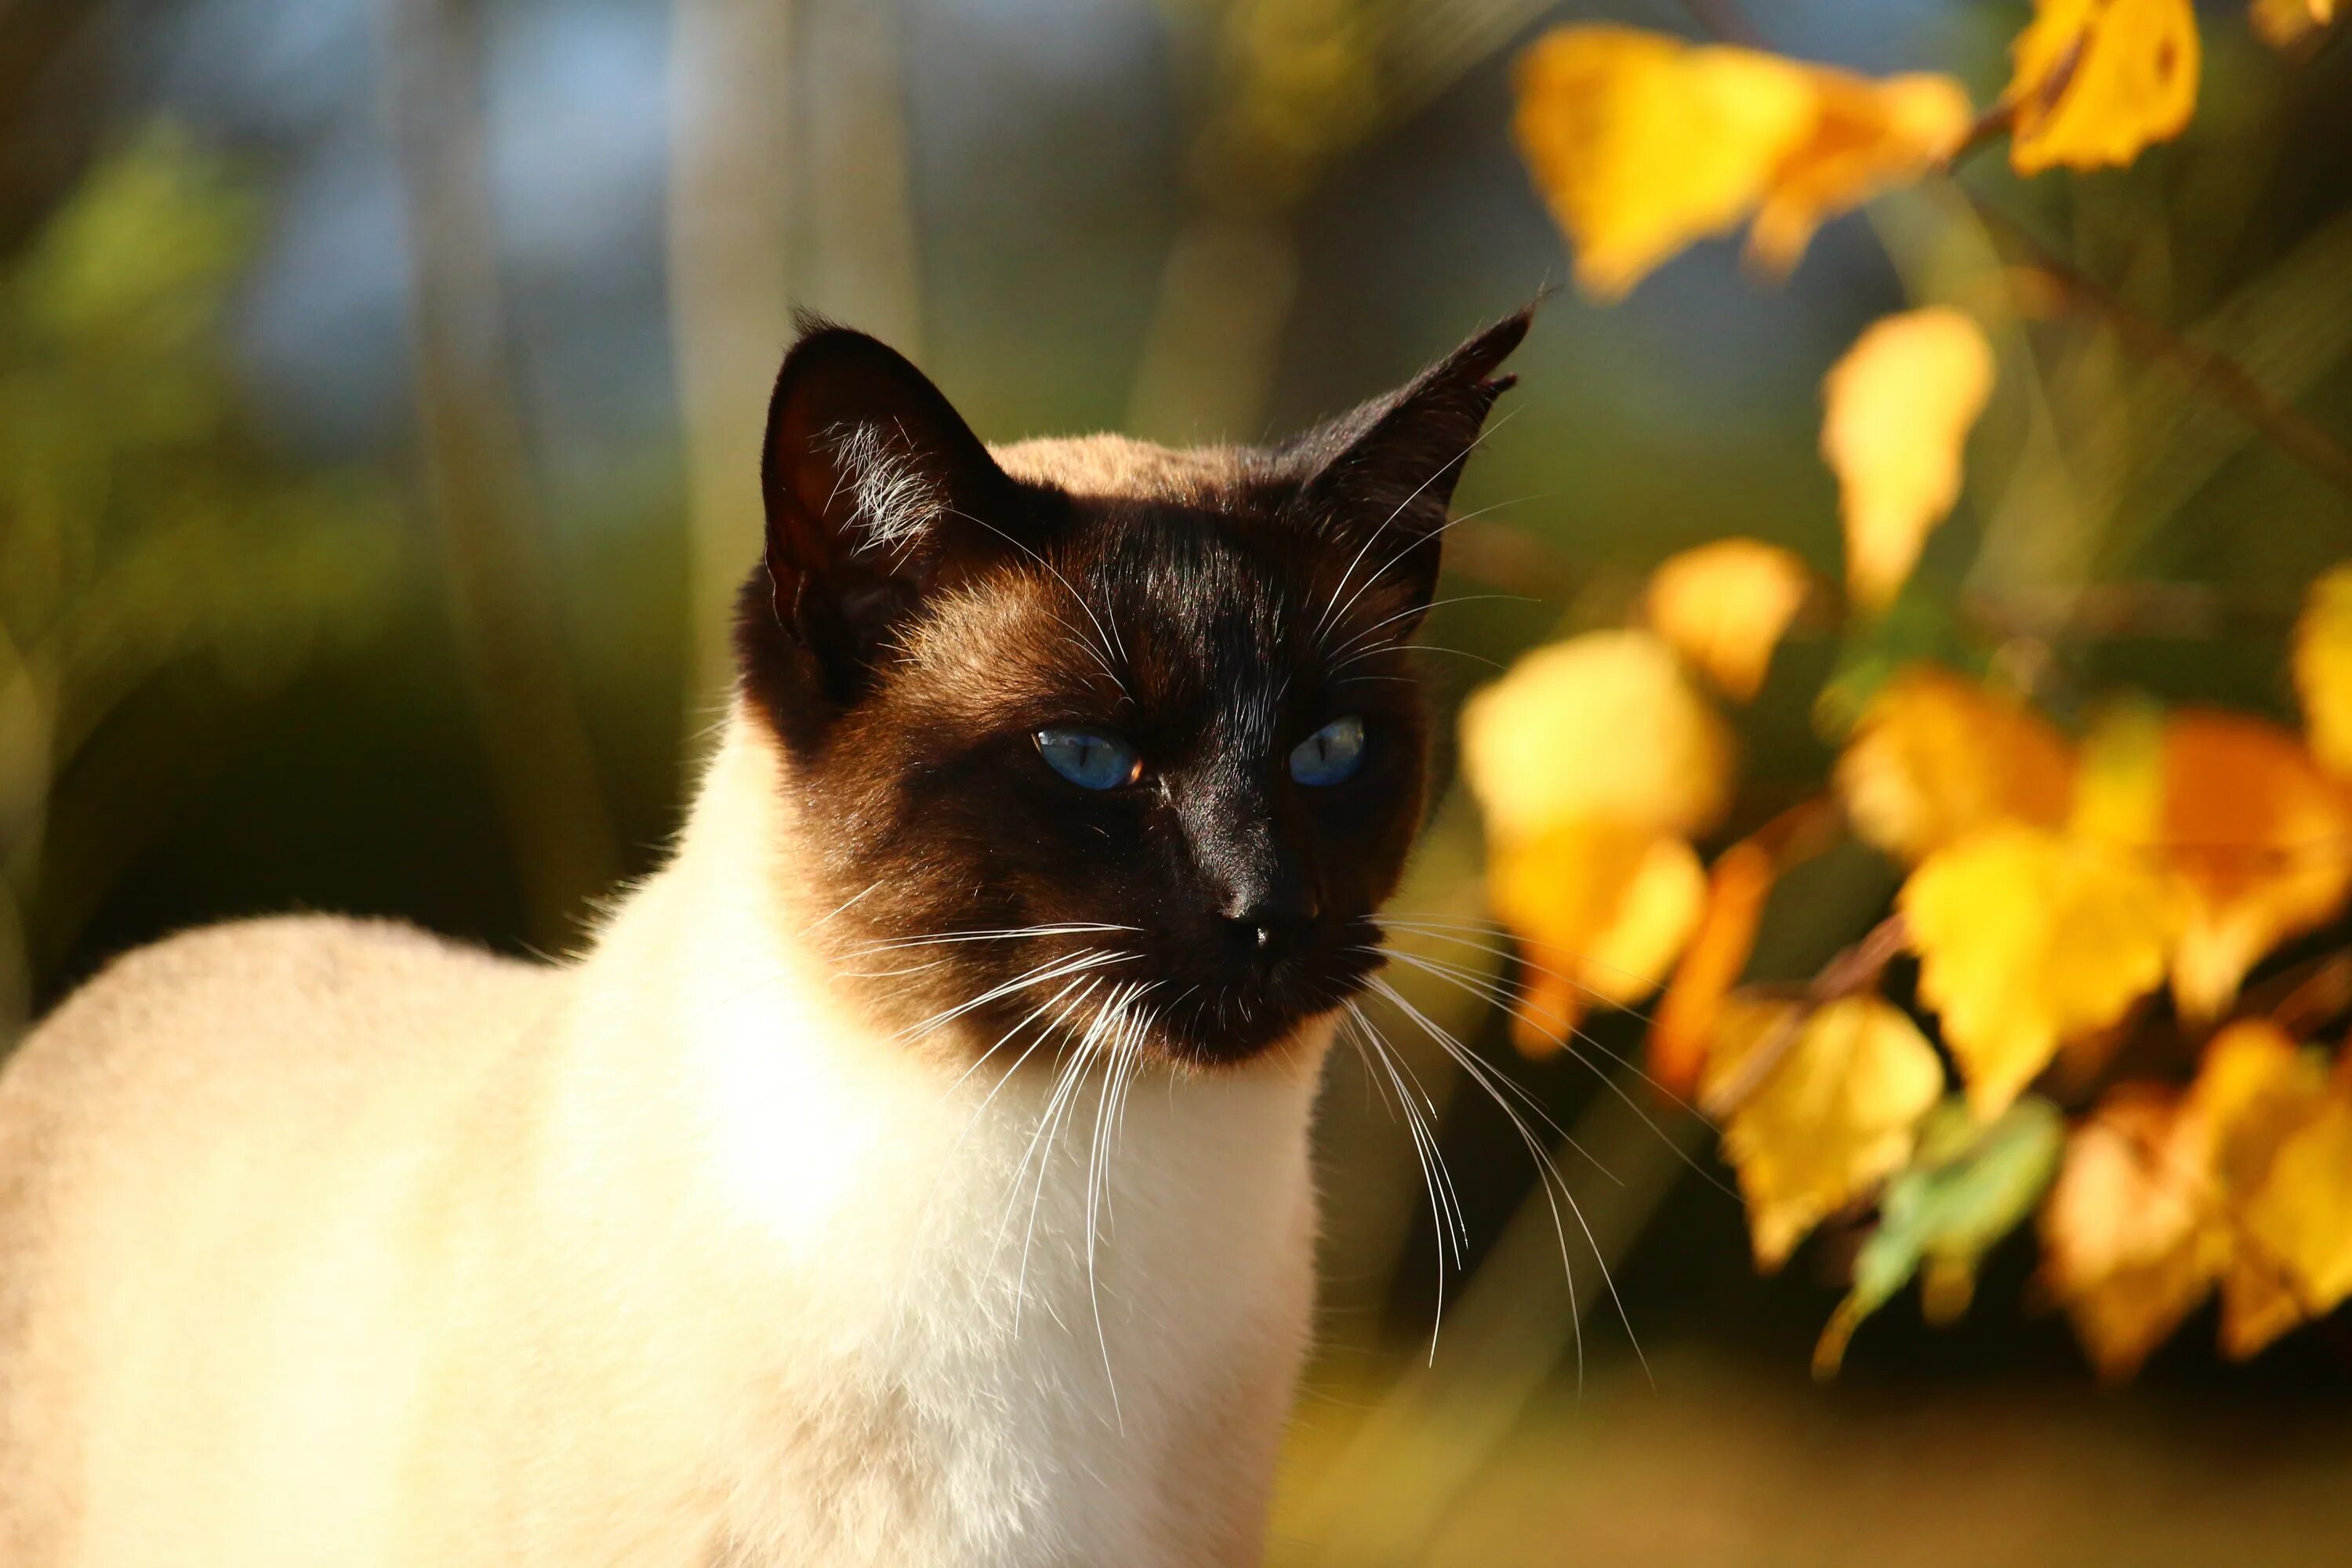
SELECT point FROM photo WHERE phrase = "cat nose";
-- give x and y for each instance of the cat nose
(1270, 923)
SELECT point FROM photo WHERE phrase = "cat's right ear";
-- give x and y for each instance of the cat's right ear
(871, 481)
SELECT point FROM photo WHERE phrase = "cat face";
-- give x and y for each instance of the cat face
(1093, 740)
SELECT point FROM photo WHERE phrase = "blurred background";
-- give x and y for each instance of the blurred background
(380, 386)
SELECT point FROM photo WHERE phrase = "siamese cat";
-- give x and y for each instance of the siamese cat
(914, 1171)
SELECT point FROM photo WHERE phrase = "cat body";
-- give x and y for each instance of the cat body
(655, 1258)
(913, 1171)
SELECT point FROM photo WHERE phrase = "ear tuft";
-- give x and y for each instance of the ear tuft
(874, 486)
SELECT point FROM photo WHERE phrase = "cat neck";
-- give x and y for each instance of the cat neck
(710, 988)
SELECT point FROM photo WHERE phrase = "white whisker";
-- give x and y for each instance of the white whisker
(1547, 1171)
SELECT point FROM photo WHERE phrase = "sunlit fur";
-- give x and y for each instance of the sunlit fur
(736, 1240)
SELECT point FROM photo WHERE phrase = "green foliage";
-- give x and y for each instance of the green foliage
(144, 526)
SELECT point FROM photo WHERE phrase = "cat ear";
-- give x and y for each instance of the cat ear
(1379, 477)
(874, 486)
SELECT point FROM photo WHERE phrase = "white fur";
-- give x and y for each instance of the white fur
(333, 1244)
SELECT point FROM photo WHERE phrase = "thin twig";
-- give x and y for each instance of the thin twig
(1724, 21)
(2208, 370)
(1852, 972)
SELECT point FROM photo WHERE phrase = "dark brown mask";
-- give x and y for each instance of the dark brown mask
(1092, 735)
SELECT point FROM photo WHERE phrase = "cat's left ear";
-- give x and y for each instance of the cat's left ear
(1380, 478)
(876, 492)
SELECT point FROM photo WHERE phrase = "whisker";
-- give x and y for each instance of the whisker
(1497, 934)
(839, 907)
(1497, 992)
(1003, 934)
(1448, 1222)
(1056, 1114)
(1417, 542)
(1516, 1089)
(1108, 637)
(1478, 1071)
(1090, 958)
(1335, 609)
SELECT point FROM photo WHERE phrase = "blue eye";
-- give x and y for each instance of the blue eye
(1088, 758)
(1331, 755)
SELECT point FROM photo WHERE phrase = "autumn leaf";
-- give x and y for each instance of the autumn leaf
(2256, 841)
(2163, 1192)
(1866, 137)
(1900, 404)
(2323, 670)
(2254, 1088)
(1686, 1019)
(1602, 728)
(1592, 760)
(1643, 143)
(1833, 1115)
(1603, 909)
(2291, 24)
(2025, 939)
(1968, 1186)
(2298, 1221)
(1723, 606)
(2094, 81)
(2128, 1244)
(1935, 757)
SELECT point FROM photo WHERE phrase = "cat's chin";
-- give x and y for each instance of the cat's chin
(1214, 1040)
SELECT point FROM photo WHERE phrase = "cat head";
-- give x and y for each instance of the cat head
(1092, 738)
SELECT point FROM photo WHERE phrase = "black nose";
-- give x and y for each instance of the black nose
(1268, 929)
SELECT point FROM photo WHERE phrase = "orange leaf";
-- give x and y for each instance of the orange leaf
(1685, 1020)
(2126, 1242)
(1935, 757)
(1603, 908)
(1643, 143)
(2291, 24)
(1723, 606)
(2097, 80)
(2256, 840)
(1901, 402)
(2246, 1178)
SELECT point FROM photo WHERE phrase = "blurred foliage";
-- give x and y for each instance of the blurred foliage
(2051, 887)
(146, 530)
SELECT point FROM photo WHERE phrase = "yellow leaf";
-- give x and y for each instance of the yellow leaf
(2254, 1086)
(1602, 908)
(1643, 143)
(2298, 1222)
(1602, 728)
(2256, 841)
(1836, 1114)
(2096, 81)
(2291, 24)
(1901, 402)
(1866, 137)
(1936, 756)
(2323, 670)
(1711, 965)
(2026, 938)
(1723, 606)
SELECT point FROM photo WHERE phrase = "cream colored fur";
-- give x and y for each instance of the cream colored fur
(327, 1242)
